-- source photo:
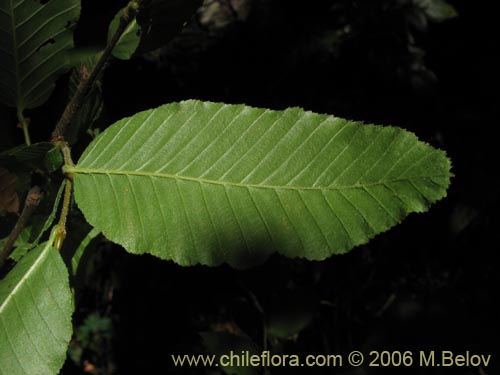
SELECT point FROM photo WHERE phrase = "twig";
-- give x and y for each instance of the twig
(32, 201)
(127, 15)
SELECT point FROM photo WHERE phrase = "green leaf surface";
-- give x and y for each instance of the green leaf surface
(129, 40)
(35, 37)
(201, 182)
(35, 314)
(53, 160)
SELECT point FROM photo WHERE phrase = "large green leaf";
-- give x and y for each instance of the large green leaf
(35, 37)
(210, 183)
(35, 314)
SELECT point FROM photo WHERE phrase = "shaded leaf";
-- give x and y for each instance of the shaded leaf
(9, 199)
(92, 106)
(200, 182)
(40, 223)
(438, 10)
(35, 314)
(24, 157)
(290, 313)
(160, 20)
(222, 343)
(35, 38)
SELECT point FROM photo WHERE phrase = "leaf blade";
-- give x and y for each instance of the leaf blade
(233, 183)
(35, 314)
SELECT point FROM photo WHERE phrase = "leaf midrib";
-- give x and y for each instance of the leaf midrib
(16, 56)
(26, 276)
(79, 170)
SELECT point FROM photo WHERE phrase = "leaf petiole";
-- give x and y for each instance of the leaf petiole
(24, 125)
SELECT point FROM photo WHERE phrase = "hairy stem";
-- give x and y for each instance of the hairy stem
(61, 231)
(32, 201)
(127, 15)
(66, 151)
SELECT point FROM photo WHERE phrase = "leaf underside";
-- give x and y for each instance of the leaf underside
(201, 182)
(35, 38)
(35, 314)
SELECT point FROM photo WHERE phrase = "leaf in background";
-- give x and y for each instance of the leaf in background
(220, 343)
(22, 244)
(128, 42)
(36, 305)
(25, 158)
(160, 20)
(39, 224)
(9, 200)
(290, 312)
(94, 332)
(92, 107)
(35, 37)
(438, 10)
(201, 182)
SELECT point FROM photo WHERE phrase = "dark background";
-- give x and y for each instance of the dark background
(431, 283)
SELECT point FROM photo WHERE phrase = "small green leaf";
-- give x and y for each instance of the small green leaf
(36, 37)
(200, 182)
(129, 40)
(439, 10)
(53, 160)
(36, 305)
